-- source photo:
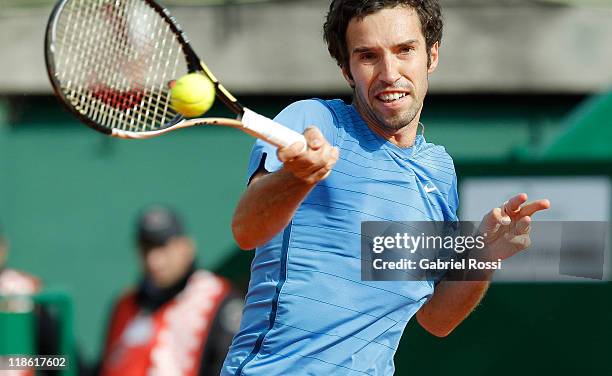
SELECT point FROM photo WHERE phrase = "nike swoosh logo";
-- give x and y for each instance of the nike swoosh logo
(429, 188)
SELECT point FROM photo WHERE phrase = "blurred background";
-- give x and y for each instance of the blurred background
(522, 101)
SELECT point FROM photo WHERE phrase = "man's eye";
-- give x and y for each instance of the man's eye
(406, 50)
(367, 56)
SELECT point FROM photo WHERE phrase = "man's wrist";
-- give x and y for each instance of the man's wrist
(474, 256)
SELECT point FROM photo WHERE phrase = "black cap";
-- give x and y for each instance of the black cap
(157, 225)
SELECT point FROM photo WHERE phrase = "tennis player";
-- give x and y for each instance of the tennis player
(307, 310)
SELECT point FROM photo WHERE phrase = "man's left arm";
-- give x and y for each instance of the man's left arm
(506, 230)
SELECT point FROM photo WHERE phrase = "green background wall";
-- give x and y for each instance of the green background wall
(69, 197)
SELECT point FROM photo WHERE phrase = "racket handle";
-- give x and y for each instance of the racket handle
(269, 130)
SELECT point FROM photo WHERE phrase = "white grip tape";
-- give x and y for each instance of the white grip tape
(269, 130)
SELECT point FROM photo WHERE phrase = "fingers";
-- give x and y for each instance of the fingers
(523, 226)
(318, 175)
(533, 207)
(332, 157)
(290, 152)
(514, 204)
(313, 164)
(516, 208)
(491, 222)
(336, 153)
(499, 217)
(314, 138)
(511, 207)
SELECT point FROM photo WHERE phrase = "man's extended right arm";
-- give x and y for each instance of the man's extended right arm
(271, 199)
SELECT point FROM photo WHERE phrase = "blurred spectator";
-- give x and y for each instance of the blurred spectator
(178, 320)
(15, 287)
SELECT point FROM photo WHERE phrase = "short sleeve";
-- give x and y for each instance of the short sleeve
(297, 116)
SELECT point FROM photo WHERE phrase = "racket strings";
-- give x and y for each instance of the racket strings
(135, 100)
(83, 42)
(158, 99)
(114, 60)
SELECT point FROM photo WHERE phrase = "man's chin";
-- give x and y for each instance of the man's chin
(400, 120)
(160, 282)
(394, 124)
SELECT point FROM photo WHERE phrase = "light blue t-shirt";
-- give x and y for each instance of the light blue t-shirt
(307, 311)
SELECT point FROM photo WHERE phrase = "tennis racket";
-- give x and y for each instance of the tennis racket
(111, 63)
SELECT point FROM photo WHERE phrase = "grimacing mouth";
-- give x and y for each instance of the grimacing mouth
(390, 96)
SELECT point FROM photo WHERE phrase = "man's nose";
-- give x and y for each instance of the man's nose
(389, 69)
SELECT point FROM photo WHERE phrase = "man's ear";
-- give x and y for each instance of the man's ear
(434, 55)
(348, 77)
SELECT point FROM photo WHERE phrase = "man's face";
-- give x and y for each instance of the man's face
(388, 68)
(166, 265)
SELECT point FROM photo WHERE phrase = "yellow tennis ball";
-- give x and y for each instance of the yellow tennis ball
(192, 95)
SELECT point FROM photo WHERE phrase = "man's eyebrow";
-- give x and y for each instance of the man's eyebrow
(361, 49)
(408, 42)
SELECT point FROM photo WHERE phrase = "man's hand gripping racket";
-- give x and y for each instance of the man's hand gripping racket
(111, 63)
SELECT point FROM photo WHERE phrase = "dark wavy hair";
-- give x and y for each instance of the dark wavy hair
(341, 12)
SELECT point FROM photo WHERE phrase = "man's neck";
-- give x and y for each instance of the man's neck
(403, 138)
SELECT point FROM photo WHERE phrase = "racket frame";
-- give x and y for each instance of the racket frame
(248, 121)
(194, 65)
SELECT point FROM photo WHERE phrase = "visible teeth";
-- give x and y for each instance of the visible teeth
(391, 97)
